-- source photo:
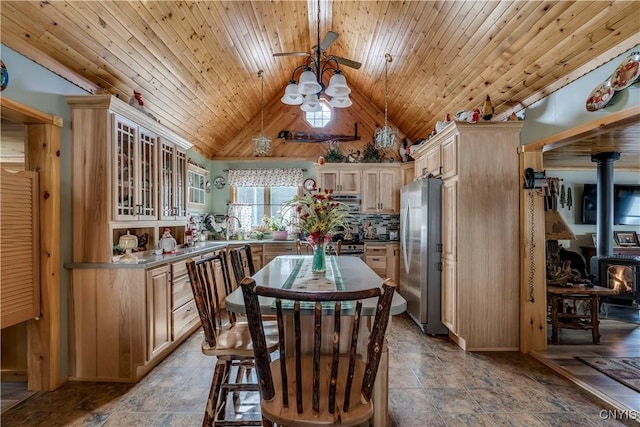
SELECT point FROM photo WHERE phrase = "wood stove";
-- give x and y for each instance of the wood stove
(622, 273)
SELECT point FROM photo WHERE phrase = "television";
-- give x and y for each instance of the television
(626, 204)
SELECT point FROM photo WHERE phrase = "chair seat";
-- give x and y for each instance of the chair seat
(359, 410)
(236, 341)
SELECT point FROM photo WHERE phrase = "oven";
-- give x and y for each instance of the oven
(348, 249)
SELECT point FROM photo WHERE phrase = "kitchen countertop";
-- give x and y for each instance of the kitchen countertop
(151, 260)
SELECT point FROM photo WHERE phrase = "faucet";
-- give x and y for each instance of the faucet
(228, 219)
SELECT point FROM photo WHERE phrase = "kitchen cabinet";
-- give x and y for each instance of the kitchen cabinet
(135, 171)
(433, 161)
(184, 313)
(481, 183)
(380, 190)
(128, 172)
(343, 179)
(158, 310)
(197, 179)
(272, 250)
(383, 258)
(173, 173)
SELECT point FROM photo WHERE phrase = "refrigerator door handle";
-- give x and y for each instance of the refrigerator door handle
(404, 237)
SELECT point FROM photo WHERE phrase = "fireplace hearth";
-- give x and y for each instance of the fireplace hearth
(622, 273)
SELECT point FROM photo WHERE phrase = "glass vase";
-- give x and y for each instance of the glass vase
(319, 263)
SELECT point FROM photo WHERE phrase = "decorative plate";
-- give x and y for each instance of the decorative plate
(4, 76)
(219, 182)
(309, 184)
(600, 96)
(627, 72)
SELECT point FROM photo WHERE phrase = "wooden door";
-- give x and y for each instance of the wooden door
(19, 247)
(158, 310)
(388, 191)
(369, 192)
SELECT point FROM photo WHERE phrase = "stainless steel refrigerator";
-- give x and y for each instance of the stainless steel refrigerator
(421, 248)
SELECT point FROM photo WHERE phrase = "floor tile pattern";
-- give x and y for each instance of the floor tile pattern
(431, 383)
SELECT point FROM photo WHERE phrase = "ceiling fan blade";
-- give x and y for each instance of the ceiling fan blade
(348, 62)
(328, 40)
(292, 54)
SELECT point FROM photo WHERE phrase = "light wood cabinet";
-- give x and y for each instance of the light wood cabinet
(480, 206)
(272, 250)
(184, 313)
(433, 161)
(343, 179)
(196, 187)
(383, 258)
(173, 189)
(135, 171)
(126, 170)
(158, 310)
(380, 190)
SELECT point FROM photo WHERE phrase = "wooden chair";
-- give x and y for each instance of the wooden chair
(318, 389)
(225, 339)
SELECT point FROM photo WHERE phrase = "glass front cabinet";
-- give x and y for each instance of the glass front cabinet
(173, 188)
(135, 172)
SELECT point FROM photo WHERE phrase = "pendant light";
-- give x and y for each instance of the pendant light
(261, 144)
(386, 137)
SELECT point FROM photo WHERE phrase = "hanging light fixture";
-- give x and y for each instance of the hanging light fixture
(307, 90)
(386, 137)
(261, 144)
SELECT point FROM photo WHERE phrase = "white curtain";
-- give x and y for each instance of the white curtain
(291, 177)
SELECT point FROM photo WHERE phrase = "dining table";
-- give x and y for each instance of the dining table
(343, 273)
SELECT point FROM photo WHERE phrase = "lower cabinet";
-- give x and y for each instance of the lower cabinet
(448, 297)
(383, 259)
(158, 310)
(272, 250)
(126, 320)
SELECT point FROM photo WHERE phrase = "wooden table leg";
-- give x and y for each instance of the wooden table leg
(595, 332)
(554, 319)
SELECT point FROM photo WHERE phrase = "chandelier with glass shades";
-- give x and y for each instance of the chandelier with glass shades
(261, 144)
(386, 137)
(309, 87)
(307, 90)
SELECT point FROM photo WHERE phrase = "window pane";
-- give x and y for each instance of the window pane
(255, 197)
(319, 119)
(279, 196)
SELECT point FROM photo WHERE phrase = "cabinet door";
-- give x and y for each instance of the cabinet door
(449, 218)
(433, 161)
(173, 182)
(393, 257)
(450, 157)
(448, 298)
(389, 191)
(158, 310)
(328, 180)
(125, 168)
(147, 202)
(369, 203)
(180, 200)
(420, 167)
(349, 182)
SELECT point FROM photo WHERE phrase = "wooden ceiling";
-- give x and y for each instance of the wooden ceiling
(196, 62)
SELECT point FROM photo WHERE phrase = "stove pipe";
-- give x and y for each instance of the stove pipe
(604, 209)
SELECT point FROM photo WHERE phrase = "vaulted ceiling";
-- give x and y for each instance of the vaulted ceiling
(196, 63)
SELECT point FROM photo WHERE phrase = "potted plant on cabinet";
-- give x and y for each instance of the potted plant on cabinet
(278, 227)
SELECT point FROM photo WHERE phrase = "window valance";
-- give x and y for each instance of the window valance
(291, 177)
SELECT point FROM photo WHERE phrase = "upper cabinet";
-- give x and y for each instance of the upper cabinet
(341, 178)
(128, 172)
(173, 189)
(381, 189)
(197, 179)
(135, 171)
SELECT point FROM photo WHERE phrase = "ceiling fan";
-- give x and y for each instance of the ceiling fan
(317, 53)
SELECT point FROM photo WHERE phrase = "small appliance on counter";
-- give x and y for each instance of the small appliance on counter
(394, 234)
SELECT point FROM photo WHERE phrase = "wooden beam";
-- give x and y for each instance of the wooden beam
(19, 113)
(558, 140)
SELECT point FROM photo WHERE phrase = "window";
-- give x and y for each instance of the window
(265, 201)
(319, 119)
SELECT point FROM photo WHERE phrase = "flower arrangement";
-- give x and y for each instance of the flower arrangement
(319, 214)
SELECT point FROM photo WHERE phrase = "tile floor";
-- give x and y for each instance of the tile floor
(432, 383)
